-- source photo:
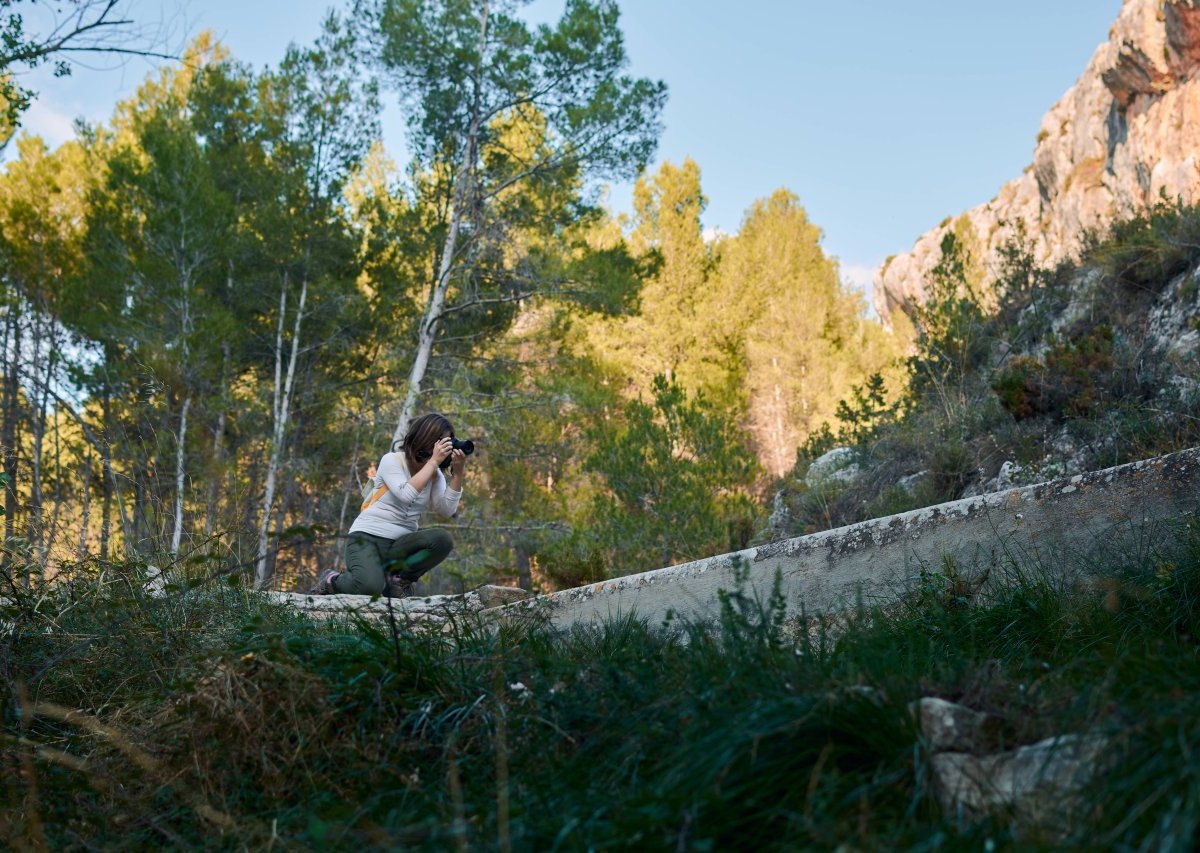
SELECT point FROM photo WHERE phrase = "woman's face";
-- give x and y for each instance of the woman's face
(424, 453)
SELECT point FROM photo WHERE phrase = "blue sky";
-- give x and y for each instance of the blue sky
(883, 116)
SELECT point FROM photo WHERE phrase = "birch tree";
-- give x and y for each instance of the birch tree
(320, 119)
(159, 232)
(41, 214)
(461, 68)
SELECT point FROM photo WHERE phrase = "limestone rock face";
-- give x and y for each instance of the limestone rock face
(1125, 134)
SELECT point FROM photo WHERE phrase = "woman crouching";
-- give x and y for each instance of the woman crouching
(385, 552)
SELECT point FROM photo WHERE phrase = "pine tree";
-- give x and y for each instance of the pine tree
(464, 70)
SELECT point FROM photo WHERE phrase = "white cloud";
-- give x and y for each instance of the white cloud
(712, 233)
(45, 120)
(860, 276)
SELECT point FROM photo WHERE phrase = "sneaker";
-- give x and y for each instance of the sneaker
(324, 585)
(398, 587)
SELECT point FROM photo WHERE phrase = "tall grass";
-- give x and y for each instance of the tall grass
(212, 719)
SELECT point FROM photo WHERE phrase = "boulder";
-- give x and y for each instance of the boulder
(948, 726)
(1037, 783)
(910, 483)
(781, 513)
(836, 466)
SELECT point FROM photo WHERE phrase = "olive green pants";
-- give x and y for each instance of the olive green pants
(370, 559)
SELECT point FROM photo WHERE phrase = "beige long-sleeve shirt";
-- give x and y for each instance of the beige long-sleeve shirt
(400, 508)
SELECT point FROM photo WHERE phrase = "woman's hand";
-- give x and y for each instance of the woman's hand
(458, 463)
(441, 450)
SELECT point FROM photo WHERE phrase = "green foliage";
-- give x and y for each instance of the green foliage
(1057, 372)
(860, 419)
(1070, 382)
(676, 477)
(1019, 386)
(1142, 253)
(569, 73)
(950, 322)
(867, 410)
(758, 321)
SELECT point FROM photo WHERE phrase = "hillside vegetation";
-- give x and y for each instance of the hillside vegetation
(1047, 372)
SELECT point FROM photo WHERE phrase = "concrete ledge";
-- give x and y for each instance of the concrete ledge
(1061, 526)
(432, 609)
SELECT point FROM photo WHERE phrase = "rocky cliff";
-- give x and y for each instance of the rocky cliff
(1126, 134)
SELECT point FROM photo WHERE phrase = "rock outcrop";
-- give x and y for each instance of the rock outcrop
(1036, 783)
(1124, 136)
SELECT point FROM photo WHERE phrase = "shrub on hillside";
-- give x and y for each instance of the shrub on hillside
(1071, 381)
(1058, 373)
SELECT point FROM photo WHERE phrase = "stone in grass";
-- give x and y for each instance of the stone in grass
(838, 466)
(1036, 783)
(948, 726)
(491, 595)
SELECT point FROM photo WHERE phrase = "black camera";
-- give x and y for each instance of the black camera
(465, 445)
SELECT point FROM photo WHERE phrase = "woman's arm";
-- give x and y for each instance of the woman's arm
(458, 470)
(403, 487)
(446, 495)
(421, 479)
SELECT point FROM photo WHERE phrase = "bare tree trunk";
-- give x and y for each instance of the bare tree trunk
(351, 479)
(9, 405)
(437, 298)
(59, 483)
(85, 477)
(37, 425)
(37, 508)
(524, 576)
(216, 472)
(105, 467)
(286, 498)
(281, 409)
(141, 524)
(218, 448)
(111, 485)
(180, 474)
(215, 475)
